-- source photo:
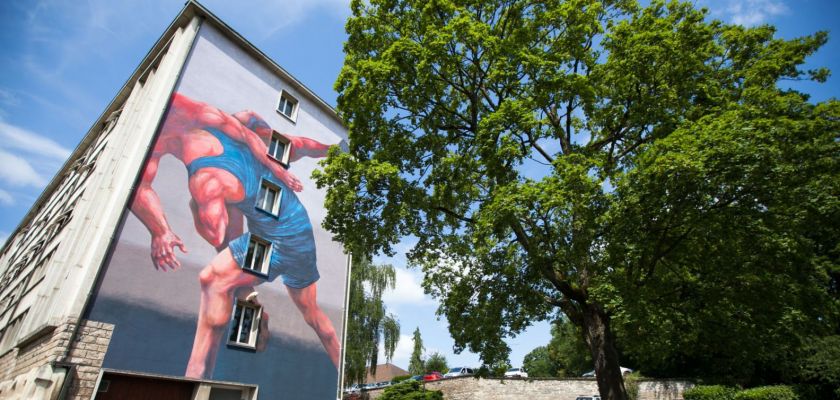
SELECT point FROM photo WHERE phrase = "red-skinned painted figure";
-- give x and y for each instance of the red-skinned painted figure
(197, 134)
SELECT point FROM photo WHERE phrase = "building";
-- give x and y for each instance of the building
(177, 253)
(385, 373)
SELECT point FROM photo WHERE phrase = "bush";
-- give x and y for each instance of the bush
(713, 392)
(767, 393)
(410, 390)
(631, 385)
(398, 379)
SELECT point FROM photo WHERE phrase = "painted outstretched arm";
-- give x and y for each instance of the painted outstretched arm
(148, 209)
(237, 131)
(306, 147)
(300, 146)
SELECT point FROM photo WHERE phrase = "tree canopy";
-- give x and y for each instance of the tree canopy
(436, 362)
(369, 324)
(637, 169)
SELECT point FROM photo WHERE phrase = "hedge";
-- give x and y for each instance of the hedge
(713, 392)
(767, 393)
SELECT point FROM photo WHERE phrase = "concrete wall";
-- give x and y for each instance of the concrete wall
(469, 388)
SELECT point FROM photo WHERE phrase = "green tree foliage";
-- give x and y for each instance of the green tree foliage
(566, 355)
(436, 362)
(637, 169)
(368, 323)
(416, 366)
(568, 350)
(410, 390)
(539, 364)
(821, 365)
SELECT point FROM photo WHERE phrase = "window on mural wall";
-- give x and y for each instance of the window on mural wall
(268, 198)
(279, 148)
(288, 105)
(258, 255)
(245, 324)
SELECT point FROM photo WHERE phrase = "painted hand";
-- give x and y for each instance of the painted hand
(163, 250)
(291, 181)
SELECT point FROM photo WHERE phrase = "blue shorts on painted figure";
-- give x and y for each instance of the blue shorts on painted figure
(289, 232)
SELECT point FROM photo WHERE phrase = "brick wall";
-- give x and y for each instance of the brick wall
(469, 388)
(86, 354)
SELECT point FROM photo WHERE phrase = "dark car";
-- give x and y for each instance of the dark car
(432, 376)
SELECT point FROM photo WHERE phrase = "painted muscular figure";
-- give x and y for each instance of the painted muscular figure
(226, 157)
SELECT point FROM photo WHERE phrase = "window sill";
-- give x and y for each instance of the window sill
(260, 274)
(266, 212)
(243, 347)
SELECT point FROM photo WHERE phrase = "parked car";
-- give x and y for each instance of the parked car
(432, 376)
(353, 389)
(593, 397)
(415, 378)
(516, 373)
(591, 374)
(459, 371)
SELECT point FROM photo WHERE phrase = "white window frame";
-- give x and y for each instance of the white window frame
(288, 97)
(265, 186)
(258, 266)
(237, 327)
(287, 150)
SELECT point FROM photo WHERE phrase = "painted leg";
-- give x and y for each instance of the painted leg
(219, 281)
(306, 301)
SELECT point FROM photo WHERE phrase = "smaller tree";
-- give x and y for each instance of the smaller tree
(415, 364)
(568, 351)
(436, 362)
(539, 364)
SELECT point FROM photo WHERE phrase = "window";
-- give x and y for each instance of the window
(245, 324)
(288, 105)
(268, 199)
(258, 256)
(279, 148)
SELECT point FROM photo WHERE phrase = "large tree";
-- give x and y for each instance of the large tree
(598, 159)
(369, 324)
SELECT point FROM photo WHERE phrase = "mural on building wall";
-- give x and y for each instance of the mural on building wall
(224, 207)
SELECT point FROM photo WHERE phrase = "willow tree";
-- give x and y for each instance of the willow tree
(369, 324)
(568, 157)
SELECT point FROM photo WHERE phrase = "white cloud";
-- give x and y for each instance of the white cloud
(749, 12)
(17, 171)
(407, 290)
(14, 137)
(273, 16)
(8, 98)
(6, 198)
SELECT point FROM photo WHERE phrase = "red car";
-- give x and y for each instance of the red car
(432, 376)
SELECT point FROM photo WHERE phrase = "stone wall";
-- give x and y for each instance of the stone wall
(27, 368)
(469, 388)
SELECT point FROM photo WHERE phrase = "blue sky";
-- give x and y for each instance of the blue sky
(61, 62)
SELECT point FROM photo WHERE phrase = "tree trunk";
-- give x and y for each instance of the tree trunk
(596, 328)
